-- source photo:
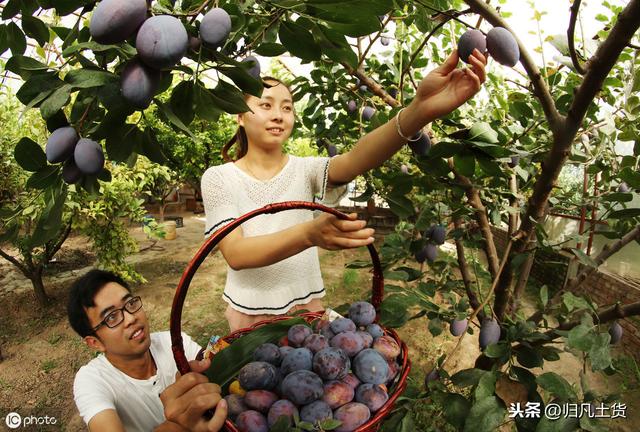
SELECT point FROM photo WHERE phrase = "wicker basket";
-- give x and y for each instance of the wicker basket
(395, 388)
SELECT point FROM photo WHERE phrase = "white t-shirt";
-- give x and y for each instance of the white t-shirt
(229, 192)
(99, 386)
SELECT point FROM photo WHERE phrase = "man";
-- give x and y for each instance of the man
(132, 383)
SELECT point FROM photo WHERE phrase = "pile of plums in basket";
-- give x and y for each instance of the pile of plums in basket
(336, 370)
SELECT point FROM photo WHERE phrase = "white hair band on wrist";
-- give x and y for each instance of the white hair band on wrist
(413, 138)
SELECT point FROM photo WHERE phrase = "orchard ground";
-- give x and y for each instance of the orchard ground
(42, 353)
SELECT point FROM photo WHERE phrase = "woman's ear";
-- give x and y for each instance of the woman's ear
(94, 343)
(240, 120)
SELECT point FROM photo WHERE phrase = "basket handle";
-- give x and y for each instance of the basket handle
(177, 346)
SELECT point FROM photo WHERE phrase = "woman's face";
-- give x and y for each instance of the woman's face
(271, 122)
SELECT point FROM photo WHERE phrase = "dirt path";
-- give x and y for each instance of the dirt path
(42, 354)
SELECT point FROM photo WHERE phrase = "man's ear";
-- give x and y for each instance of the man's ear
(94, 343)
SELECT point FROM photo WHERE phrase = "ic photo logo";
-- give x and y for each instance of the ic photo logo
(13, 420)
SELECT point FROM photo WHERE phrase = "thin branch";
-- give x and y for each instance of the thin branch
(197, 12)
(575, 7)
(464, 270)
(541, 90)
(610, 314)
(484, 302)
(15, 262)
(373, 86)
(371, 42)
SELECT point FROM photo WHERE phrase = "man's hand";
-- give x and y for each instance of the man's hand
(329, 232)
(186, 400)
(446, 88)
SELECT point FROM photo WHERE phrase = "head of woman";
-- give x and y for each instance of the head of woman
(269, 122)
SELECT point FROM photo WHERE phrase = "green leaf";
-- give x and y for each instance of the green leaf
(330, 424)
(87, 78)
(394, 311)
(456, 409)
(226, 364)
(122, 142)
(563, 424)
(485, 415)
(556, 386)
(35, 28)
(270, 49)
(482, 131)
(365, 196)
(205, 105)
(335, 46)
(55, 101)
(229, 98)
(465, 164)
(29, 155)
(182, 101)
(528, 357)
(24, 66)
(584, 258)
(299, 41)
(625, 213)
(467, 377)
(152, 148)
(11, 9)
(544, 295)
(170, 115)
(600, 354)
(581, 337)
(50, 221)
(435, 326)
(10, 234)
(496, 350)
(15, 39)
(573, 302)
(44, 177)
(243, 80)
(445, 149)
(486, 386)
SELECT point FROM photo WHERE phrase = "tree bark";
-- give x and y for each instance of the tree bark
(466, 274)
(38, 287)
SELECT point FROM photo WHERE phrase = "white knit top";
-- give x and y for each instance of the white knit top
(229, 192)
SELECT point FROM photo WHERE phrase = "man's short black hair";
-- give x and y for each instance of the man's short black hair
(82, 294)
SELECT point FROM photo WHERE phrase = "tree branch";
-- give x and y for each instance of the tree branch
(575, 7)
(373, 86)
(15, 262)
(473, 195)
(540, 88)
(611, 313)
(464, 271)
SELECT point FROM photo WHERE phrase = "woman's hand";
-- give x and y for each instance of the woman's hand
(329, 232)
(446, 88)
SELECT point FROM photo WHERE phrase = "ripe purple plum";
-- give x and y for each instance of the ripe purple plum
(340, 325)
(394, 368)
(624, 188)
(269, 353)
(470, 40)
(352, 106)
(297, 334)
(332, 150)
(298, 359)
(367, 113)
(315, 412)
(367, 339)
(316, 342)
(352, 415)
(139, 83)
(375, 330)
(258, 375)
(372, 395)
(503, 47)
(162, 41)
(281, 408)
(615, 330)
(61, 144)
(260, 400)
(350, 342)
(370, 367)
(489, 333)
(362, 313)
(337, 393)
(384, 40)
(215, 27)
(331, 363)
(439, 234)
(235, 405)
(88, 156)
(254, 66)
(458, 327)
(387, 346)
(70, 172)
(351, 380)
(252, 421)
(420, 144)
(302, 387)
(113, 21)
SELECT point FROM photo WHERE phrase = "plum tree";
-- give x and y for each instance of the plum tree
(88, 156)
(502, 46)
(139, 83)
(162, 41)
(61, 144)
(215, 27)
(113, 21)
(470, 40)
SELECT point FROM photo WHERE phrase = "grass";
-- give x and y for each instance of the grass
(48, 365)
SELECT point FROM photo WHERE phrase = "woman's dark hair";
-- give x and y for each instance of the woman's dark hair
(82, 295)
(240, 136)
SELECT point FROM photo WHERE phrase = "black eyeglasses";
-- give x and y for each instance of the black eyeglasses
(116, 316)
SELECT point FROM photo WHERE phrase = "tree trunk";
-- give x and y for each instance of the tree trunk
(38, 288)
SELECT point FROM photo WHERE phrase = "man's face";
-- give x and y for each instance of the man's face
(131, 337)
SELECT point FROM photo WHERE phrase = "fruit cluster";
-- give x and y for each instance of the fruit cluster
(337, 370)
(499, 42)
